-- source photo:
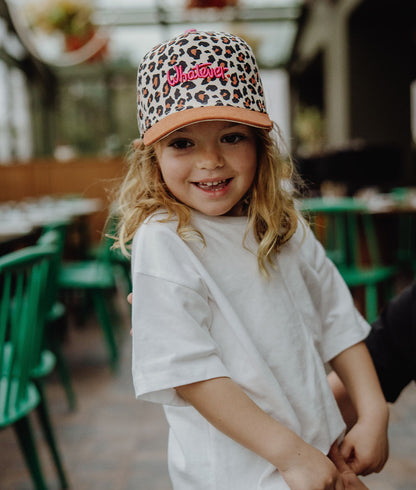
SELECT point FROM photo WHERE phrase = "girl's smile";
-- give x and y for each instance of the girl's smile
(216, 188)
(209, 166)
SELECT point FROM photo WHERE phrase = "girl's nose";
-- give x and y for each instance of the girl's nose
(210, 159)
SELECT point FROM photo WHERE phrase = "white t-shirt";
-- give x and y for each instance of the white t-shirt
(201, 312)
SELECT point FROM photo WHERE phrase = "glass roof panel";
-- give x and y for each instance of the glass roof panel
(133, 27)
(268, 25)
(272, 45)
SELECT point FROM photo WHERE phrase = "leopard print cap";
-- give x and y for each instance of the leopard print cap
(198, 76)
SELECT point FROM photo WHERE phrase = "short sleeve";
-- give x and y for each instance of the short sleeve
(341, 324)
(171, 318)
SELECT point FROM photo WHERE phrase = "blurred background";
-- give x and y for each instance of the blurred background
(69, 67)
(340, 81)
(339, 75)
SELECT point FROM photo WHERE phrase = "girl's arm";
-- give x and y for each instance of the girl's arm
(343, 400)
(365, 447)
(225, 405)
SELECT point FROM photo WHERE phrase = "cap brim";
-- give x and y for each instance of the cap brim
(177, 120)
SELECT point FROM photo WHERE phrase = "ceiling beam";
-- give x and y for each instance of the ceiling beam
(146, 17)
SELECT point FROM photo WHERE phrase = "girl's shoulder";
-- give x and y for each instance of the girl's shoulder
(158, 251)
(302, 234)
(160, 216)
(303, 241)
(157, 230)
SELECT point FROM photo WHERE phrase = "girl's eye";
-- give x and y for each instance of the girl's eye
(233, 138)
(180, 144)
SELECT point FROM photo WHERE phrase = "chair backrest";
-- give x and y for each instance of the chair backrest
(23, 290)
(105, 252)
(55, 233)
(347, 230)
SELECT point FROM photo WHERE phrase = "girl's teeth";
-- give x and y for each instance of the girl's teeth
(211, 184)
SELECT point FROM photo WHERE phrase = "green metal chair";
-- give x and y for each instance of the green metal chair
(24, 278)
(105, 252)
(406, 230)
(406, 247)
(95, 278)
(56, 319)
(347, 231)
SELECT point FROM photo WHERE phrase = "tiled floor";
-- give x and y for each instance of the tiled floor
(113, 442)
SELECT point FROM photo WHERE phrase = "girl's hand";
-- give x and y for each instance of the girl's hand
(350, 479)
(309, 469)
(365, 448)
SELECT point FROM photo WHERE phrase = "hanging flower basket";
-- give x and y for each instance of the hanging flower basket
(74, 42)
(71, 18)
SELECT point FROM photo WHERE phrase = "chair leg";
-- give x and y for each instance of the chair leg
(65, 377)
(371, 302)
(46, 424)
(106, 326)
(126, 277)
(26, 440)
(62, 367)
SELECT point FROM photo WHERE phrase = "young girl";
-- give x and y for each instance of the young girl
(235, 306)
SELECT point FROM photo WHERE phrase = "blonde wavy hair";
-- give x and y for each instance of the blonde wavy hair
(269, 204)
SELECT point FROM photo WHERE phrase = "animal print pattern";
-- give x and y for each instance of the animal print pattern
(197, 69)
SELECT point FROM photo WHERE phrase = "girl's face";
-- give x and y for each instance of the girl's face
(209, 166)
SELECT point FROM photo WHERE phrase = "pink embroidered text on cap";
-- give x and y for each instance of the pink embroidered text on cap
(199, 71)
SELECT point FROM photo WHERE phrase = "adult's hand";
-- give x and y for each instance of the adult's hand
(130, 300)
